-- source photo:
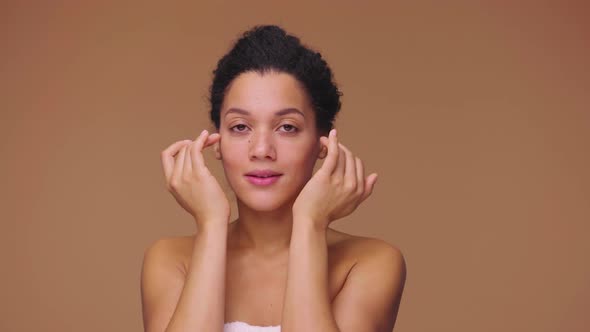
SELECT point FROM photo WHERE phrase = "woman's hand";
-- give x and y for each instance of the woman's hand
(191, 183)
(336, 189)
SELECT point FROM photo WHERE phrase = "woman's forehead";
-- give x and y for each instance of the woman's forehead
(253, 94)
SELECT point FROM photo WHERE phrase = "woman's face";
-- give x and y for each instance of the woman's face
(267, 124)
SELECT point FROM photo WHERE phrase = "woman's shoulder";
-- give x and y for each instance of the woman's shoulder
(174, 249)
(360, 246)
(173, 245)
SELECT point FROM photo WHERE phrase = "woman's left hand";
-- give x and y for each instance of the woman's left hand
(336, 189)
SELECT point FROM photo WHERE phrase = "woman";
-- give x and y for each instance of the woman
(278, 266)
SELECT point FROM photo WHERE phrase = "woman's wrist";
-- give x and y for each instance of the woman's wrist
(309, 224)
(214, 225)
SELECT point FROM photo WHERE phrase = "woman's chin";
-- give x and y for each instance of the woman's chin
(264, 203)
(264, 206)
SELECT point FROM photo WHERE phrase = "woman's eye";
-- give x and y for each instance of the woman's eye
(289, 128)
(239, 127)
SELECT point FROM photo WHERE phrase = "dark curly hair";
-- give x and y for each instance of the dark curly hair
(265, 48)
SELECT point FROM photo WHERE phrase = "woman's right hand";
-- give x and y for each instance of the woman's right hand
(191, 183)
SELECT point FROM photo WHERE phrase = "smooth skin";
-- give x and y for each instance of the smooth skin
(327, 281)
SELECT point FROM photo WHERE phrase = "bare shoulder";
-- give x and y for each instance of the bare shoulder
(371, 294)
(163, 275)
(175, 250)
(363, 247)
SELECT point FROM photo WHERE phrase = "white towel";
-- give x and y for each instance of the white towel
(238, 326)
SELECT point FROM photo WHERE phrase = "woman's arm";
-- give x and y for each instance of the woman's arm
(370, 297)
(174, 303)
(369, 300)
(307, 304)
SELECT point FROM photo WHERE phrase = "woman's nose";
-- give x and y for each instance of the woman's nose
(262, 146)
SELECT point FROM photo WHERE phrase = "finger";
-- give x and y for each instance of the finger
(369, 185)
(212, 139)
(167, 158)
(179, 164)
(198, 163)
(187, 169)
(360, 176)
(332, 155)
(349, 168)
(340, 167)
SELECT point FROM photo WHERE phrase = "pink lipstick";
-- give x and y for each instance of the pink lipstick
(263, 177)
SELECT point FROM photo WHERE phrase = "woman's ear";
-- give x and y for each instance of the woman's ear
(323, 142)
(217, 151)
(323, 152)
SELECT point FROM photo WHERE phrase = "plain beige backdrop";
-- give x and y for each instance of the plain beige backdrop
(475, 114)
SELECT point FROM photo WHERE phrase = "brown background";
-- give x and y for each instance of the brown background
(475, 116)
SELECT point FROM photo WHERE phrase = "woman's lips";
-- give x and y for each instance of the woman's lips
(263, 181)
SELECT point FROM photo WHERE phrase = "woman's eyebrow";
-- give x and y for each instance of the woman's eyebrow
(290, 110)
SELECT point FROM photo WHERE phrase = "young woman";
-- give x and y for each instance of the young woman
(279, 266)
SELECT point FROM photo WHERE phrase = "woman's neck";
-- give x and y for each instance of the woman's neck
(265, 233)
